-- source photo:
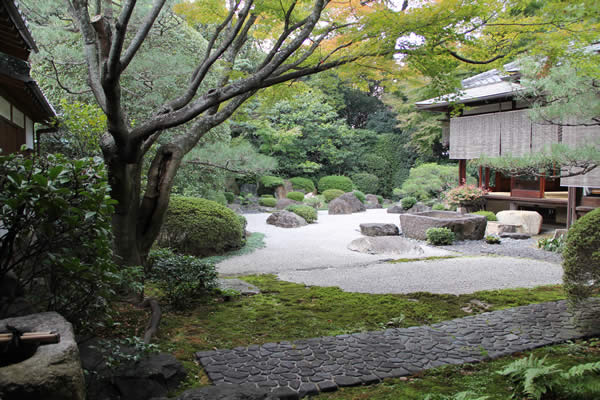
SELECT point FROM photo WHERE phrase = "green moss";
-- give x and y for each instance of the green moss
(360, 195)
(200, 227)
(331, 194)
(490, 216)
(335, 182)
(305, 184)
(306, 212)
(296, 196)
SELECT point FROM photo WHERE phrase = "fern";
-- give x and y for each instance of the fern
(581, 369)
(458, 396)
(531, 376)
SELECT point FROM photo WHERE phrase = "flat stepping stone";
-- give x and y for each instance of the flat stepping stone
(379, 229)
(310, 366)
(395, 246)
(241, 286)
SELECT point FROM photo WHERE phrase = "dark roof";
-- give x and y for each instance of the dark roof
(13, 27)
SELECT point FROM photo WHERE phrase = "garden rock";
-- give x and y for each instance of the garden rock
(372, 202)
(531, 221)
(419, 207)
(241, 286)
(514, 235)
(282, 190)
(379, 229)
(339, 206)
(496, 228)
(387, 245)
(249, 188)
(53, 372)
(286, 219)
(283, 203)
(464, 226)
(355, 203)
(396, 209)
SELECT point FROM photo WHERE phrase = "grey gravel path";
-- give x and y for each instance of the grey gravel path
(509, 247)
(304, 367)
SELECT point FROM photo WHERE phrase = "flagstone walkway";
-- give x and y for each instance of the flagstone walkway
(306, 367)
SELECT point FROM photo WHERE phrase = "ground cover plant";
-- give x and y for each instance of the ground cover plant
(489, 215)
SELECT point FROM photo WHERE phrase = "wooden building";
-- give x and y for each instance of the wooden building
(22, 103)
(494, 121)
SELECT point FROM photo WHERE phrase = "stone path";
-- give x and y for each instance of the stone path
(305, 367)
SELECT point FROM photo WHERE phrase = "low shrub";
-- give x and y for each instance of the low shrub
(397, 194)
(408, 202)
(315, 202)
(331, 194)
(366, 182)
(299, 183)
(492, 239)
(466, 195)
(581, 257)
(340, 182)
(200, 227)
(306, 212)
(490, 216)
(429, 181)
(360, 195)
(267, 196)
(380, 199)
(296, 196)
(270, 182)
(439, 236)
(267, 201)
(182, 278)
(438, 207)
(230, 197)
(556, 245)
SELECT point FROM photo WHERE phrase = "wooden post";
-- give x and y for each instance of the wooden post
(487, 178)
(571, 206)
(481, 177)
(462, 172)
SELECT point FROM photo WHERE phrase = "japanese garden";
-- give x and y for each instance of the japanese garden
(286, 199)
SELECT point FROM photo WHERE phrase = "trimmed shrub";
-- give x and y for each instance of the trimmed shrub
(267, 196)
(267, 201)
(490, 216)
(182, 278)
(340, 182)
(299, 183)
(270, 182)
(230, 197)
(408, 202)
(200, 227)
(581, 257)
(429, 181)
(439, 236)
(331, 194)
(366, 182)
(296, 196)
(397, 194)
(360, 195)
(306, 212)
(492, 239)
(438, 207)
(380, 199)
(315, 202)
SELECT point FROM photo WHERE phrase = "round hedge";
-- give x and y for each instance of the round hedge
(365, 182)
(271, 182)
(267, 201)
(297, 196)
(331, 194)
(360, 195)
(299, 183)
(581, 257)
(439, 236)
(200, 227)
(335, 182)
(408, 202)
(306, 212)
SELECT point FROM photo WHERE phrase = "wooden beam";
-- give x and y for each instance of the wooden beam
(462, 172)
(481, 177)
(571, 206)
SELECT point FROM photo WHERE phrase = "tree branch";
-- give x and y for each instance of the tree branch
(469, 61)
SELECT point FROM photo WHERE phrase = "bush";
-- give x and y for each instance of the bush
(492, 239)
(56, 220)
(200, 227)
(380, 199)
(230, 197)
(270, 182)
(429, 181)
(267, 201)
(408, 202)
(305, 184)
(438, 207)
(439, 236)
(340, 182)
(296, 196)
(360, 195)
(306, 212)
(490, 216)
(397, 194)
(556, 245)
(267, 196)
(466, 195)
(581, 257)
(331, 194)
(365, 182)
(182, 278)
(315, 202)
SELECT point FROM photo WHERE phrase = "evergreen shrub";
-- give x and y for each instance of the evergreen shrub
(200, 227)
(581, 257)
(306, 184)
(340, 182)
(380, 199)
(360, 195)
(296, 196)
(490, 216)
(366, 182)
(439, 236)
(438, 207)
(267, 201)
(230, 197)
(408, 202)
(306, 212)
(331, 194)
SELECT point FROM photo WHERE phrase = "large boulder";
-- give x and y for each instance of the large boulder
(496, 228)
(286, 219)
(464, 226)
(379, 229)
(284, 203)
(355, 203)
(396, 209)
(282, 190)
(387, 245)
(530, 221)
(372, 202)
(339, 206)
(53, 372)
(417, 208)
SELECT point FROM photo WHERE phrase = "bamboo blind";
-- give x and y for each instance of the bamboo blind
(516, 131)
(574, 136)
(471, 137)
(543, 136)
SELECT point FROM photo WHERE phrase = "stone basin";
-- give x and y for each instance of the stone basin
(464, 226)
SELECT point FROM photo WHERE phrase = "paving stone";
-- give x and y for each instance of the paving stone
(322, 364)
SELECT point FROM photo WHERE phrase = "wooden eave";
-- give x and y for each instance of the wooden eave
(16, 38)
